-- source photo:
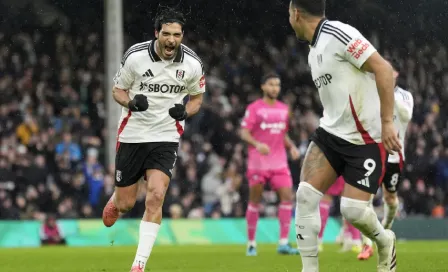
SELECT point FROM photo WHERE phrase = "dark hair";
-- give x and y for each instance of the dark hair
(313, 7)
(268, 76)
(169, 15)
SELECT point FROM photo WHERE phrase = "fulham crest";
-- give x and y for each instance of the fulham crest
(180, 74)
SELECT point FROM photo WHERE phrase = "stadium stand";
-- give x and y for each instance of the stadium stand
(52, 121)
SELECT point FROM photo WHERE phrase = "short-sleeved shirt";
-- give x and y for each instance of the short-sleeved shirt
(267, 124)
(164, 83)
(349, 95)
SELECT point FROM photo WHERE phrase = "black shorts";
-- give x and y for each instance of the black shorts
(392, 177)
(133, 159)
(362, 166)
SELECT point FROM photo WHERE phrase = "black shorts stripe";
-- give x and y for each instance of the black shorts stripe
(336, 36)
(133, 50)
(331, 27)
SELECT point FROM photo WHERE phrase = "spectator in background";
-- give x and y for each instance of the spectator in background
(67, 146)
(94, 173)
(27, 129)
(50, 233)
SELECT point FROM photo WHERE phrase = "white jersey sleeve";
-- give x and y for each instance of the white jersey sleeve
(403, 109)
(358, 48)
(125, 75)
(404, 106)
(197, 83)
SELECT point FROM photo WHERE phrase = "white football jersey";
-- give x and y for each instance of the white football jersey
(404, 106)
(164, 83)
(349, 96)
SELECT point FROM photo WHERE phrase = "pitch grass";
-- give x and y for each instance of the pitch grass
(412, 256)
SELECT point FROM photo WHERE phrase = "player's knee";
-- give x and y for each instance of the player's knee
(307, 198)
(391, 199)
(353, 210)
(154, 199)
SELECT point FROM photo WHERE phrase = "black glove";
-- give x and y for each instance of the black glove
(139, 103)
(178, 112)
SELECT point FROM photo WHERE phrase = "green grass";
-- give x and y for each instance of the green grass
(412, 256)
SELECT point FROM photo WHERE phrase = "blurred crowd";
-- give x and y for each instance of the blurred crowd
(52, 125)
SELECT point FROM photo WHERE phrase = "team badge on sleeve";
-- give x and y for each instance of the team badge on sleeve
(180, 74)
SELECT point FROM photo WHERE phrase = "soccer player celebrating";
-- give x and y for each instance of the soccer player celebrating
(264, 129)
(151, 84)
(404, 105)
(356, 87)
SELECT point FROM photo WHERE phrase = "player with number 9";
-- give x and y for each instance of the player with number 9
(356, 88)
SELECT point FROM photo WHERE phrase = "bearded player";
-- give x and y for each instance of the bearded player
(264, 129)
(404, 105)
(153, 80)
(356, 88)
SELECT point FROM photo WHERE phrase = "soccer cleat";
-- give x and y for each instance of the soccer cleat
(366, 253)
(110, 214)
(136, 269)
(387, 255)
(251, 251)
(287, 250)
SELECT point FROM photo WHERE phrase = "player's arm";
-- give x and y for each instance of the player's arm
(361, 54)
(121, 96)
(123, 82)
(290, 145)
(248, 138)
(288, 142)
(194, 104)
(385, 83)
(247, 125)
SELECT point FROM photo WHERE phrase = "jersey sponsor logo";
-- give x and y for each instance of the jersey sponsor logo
(364, 182)
(148, 73)
(162, 88)
(353, 48)
(275, 128)
(323, 80)
(202, 82)
(180, 74)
